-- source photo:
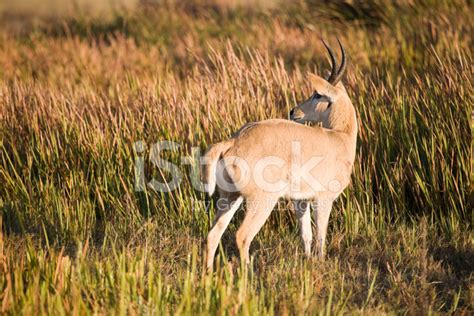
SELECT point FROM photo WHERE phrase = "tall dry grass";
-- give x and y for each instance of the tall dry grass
(75, 95)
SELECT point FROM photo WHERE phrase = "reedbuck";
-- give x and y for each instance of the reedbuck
(272, 159)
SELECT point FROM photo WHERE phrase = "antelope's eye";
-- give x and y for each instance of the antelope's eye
(316, 95)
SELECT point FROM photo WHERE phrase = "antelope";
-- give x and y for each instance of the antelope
(268, 160)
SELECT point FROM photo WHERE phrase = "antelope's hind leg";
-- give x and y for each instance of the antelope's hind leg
(227, 205)
(258, 210)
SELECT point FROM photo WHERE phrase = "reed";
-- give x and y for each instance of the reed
(76, 92)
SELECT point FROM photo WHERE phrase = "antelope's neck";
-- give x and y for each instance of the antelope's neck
(346, 127)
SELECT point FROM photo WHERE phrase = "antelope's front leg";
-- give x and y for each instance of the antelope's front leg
(321, 217)
(302, 210)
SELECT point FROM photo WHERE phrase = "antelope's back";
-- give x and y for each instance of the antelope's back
(288, 159)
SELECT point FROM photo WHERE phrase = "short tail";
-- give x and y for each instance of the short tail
(209, 168)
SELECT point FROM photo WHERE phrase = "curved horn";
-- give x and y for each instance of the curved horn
(342, 67)
(330, 79)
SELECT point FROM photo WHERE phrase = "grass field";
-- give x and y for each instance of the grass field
(77, 90)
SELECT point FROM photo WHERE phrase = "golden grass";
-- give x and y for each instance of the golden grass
(76, 94)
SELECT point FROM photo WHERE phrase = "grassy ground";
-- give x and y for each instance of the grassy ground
(77, 91)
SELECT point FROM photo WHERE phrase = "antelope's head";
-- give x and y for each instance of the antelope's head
(329, 103)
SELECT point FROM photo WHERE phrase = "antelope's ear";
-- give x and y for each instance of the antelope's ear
(322, 86)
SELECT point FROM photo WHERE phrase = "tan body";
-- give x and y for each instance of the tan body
(268, 160)
(281, 138)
